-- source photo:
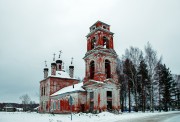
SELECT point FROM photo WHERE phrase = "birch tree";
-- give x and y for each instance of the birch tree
(135, 55)
(151, 61)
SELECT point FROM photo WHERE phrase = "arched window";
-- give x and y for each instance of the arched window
(92, 69)
(104, 27)
(42, 91)
(107, 69)
(105, 42)
(93, 43)
(60, 67)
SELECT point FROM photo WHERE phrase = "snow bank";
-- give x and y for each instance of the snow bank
(80, 117)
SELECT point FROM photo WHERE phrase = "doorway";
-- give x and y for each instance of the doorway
(91, 106)
(109, 105)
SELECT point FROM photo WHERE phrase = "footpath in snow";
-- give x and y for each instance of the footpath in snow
(80, 117)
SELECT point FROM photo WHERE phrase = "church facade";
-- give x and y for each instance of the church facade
(99, 90)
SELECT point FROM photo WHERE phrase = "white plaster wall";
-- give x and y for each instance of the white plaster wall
(82, 98)
(95, 97)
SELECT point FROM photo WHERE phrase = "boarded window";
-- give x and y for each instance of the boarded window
(107, 69)
(92, 68)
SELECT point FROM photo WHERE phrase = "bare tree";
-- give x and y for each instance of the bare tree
(25, 101)
(123, 84)
(135, 55)
(151, 61)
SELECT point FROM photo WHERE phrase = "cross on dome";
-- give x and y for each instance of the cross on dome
(60, 52)
(72, 60)
(45, 63)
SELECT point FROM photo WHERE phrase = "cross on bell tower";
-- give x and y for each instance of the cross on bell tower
(100, 57)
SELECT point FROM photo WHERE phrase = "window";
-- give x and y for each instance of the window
(44, 90)
(92, 70)
(59, 104)
(105, 42)
(51, 105)
(107, 69)
(54, 105)
(60, 67)
(41, 105)
(91, 95)
(104, 27)
(93, 43)
(109, 94)
(44, 106)
(41, 91)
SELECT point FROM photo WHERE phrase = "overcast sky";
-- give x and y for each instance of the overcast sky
(32, 30)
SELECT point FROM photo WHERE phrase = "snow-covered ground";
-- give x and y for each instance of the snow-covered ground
(82, 117)
(173, 119)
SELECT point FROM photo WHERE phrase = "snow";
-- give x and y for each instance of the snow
(97, 81)
(61, 74)
(19, 109)
(77, 87)
(79, 117)
(9, 107)
(173, 119)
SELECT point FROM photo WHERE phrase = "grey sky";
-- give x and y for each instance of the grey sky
(32, 30)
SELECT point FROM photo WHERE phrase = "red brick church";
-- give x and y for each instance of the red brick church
(99, 90)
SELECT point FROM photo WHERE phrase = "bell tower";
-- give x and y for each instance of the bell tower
(100, 58)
